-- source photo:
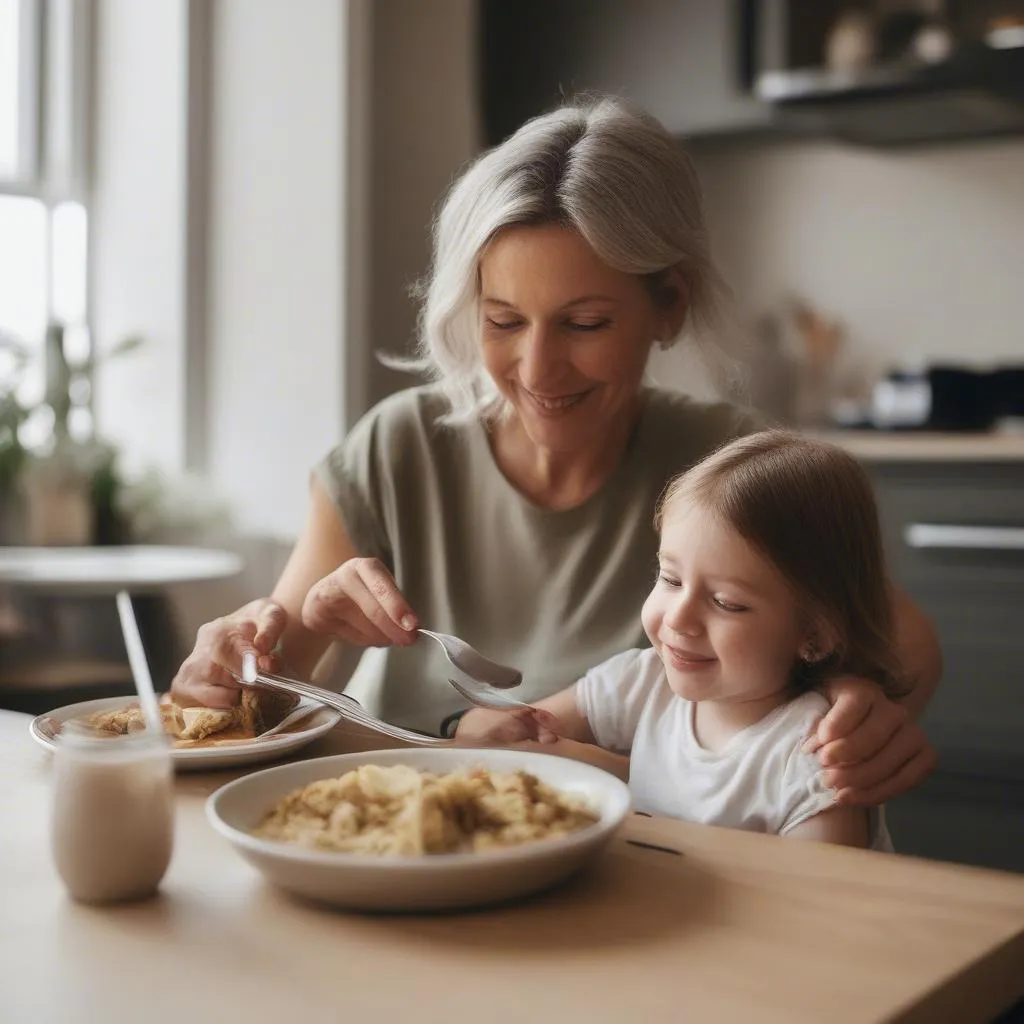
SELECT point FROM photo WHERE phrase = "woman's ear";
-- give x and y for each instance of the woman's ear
(673, 302)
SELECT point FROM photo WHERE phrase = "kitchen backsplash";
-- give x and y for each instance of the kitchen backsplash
(920, 254)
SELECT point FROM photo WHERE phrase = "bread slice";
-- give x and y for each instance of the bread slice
(202, 722)
(258, 709)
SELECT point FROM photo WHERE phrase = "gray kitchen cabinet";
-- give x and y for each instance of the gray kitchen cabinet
(954, 535)
(688, 62)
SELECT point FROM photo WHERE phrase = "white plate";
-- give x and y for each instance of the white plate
(431, 882)
(232, 755)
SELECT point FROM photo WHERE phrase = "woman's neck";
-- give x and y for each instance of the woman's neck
(716, 722)
(560, 480)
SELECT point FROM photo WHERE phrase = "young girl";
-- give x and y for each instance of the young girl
(771, 580)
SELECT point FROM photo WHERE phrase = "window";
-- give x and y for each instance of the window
(43, 218)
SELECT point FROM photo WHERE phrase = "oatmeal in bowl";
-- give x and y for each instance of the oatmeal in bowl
(399, 810)
(421, 829)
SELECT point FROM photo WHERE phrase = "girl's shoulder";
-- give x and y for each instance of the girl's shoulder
(780, 735)
(807, 708)
(797, 721)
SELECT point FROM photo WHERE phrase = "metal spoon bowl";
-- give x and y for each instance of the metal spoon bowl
(472, 664)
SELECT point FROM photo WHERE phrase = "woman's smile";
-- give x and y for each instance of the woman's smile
(555, 404)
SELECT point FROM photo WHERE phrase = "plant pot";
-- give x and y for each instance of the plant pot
(58, 511)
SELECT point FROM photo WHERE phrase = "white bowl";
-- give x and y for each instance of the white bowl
(429, 882)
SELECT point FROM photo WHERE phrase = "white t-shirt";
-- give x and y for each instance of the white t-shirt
(760, 781)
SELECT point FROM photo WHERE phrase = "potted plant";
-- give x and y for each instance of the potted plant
(13, 359)
(63, 491)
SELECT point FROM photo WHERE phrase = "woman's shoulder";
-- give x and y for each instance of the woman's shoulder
(403, 435)
(413, 419)
(718, 421)
(679, 430)
(422, 407)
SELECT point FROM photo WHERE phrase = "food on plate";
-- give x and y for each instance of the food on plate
(399, 810)
(258, 710)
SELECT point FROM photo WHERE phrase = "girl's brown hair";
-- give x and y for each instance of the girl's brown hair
(808, 506)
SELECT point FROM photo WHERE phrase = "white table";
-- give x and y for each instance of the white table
(715, 926)
(72, 589)
(137, 568)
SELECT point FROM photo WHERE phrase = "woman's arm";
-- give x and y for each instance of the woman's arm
(918, 650)
(847, 826)
(323, 545)
(871, 748)
(208, 675)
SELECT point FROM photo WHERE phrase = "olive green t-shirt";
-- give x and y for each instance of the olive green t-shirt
(552, 593)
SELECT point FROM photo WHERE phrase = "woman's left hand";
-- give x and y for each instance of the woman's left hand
(870, 749)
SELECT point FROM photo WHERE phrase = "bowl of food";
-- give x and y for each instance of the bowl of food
(418, 829)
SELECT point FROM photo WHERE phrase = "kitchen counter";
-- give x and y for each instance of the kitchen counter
(914, 446)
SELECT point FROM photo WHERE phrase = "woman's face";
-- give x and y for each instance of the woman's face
(565, 337)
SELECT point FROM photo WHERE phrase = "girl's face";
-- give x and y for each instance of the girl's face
(723, 619)
(565, 337)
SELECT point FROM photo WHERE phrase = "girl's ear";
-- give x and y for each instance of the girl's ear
(811, 653)
(819, 644)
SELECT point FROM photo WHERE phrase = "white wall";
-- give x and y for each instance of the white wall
(274, 325)
(333, 129)
(426, 125)
(920, 253)
(137, 210)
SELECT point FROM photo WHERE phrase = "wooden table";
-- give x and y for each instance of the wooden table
(732, 927)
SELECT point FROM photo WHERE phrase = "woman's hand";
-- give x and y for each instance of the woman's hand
(207, 677)
(870, 748)
(481, 726)
(360, 604)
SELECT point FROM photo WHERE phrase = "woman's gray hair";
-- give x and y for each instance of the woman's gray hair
(601, 167)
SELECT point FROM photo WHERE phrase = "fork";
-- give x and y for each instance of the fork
(347, 707)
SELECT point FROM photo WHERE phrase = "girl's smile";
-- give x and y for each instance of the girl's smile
(685, 660)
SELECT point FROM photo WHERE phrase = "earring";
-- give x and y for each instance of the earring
(810, 653)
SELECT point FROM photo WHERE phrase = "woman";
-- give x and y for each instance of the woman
(511, 501)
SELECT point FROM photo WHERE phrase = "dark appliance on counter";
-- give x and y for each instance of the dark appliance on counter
(948, 398)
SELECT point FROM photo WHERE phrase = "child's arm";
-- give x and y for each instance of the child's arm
(847, 826)
(563, 706)
(546, 719)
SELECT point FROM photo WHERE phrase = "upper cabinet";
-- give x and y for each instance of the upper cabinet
(898, 72)
(877, 72)
(691, 63)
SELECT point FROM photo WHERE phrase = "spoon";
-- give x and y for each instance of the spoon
(138, 664)
(473, 664)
